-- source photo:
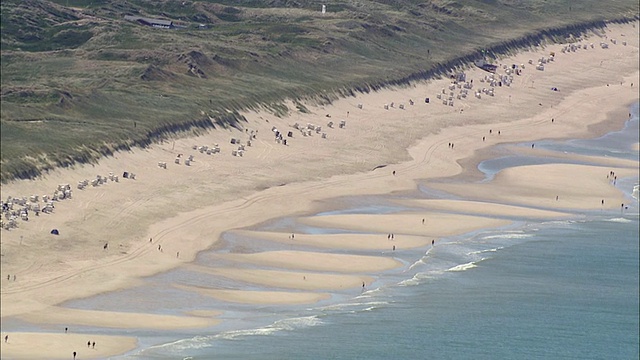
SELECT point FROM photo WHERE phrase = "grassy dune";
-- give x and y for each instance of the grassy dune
(79, 82)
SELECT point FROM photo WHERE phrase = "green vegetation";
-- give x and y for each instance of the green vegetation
(79, 82)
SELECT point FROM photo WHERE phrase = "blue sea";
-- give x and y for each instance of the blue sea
(537, 289)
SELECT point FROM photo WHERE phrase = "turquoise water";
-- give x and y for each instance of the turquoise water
(533, 290)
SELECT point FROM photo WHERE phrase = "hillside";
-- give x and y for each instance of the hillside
(79, 81)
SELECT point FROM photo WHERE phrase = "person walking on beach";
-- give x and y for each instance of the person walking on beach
(6, 338)
(88, 344)
(74, 355)
(93, 345)
(66, 329)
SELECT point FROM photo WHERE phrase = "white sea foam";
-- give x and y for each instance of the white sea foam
(416, 279)
(197, 342)
(619, 220)
(467, 266)
(368, 293)
(562, 223)
(463, 267)
(485, 251)
(507, 236)
(365, 305)
(280, 325)
(636, 190)
(419, 262)
(232, 335)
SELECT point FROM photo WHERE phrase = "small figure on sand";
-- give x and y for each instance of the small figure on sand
(159, 247)
(394, 173)
(14, 278)
(6, 338)
(363, 284)
(150, 240)
(433, 242)
(423, 221)
(74, 355)
(88, 344)
(178, 254)
(8, 277)
(105, 246)
(93, 345)
(394, 248)
(66, 330)
(533, 145)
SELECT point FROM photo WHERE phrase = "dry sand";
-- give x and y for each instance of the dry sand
(185, 209)
(119, 320)
(29, 346)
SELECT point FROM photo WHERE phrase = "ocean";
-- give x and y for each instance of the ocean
(537, 289)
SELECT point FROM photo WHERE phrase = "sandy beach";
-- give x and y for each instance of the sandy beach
(113, 235)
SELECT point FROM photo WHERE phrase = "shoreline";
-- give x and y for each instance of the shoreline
(141, 259)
